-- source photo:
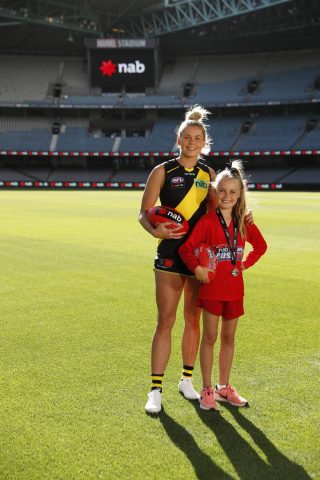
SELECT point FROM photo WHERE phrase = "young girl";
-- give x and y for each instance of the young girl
(226, 230)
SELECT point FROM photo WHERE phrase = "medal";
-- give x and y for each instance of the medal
(235, 272)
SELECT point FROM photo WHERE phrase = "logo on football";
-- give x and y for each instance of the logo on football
(162, 214)
(207, 258)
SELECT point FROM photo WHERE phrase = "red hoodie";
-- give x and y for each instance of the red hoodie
(209, 230)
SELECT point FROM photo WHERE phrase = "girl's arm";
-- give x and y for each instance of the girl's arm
(186, 251)
(259, 245)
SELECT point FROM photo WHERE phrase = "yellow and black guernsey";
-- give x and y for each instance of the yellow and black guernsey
(186, 190)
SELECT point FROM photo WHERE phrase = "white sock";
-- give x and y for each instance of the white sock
(221, 386)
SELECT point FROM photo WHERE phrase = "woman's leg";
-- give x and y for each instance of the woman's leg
(228, 330)
(191, 333)
(209, 337)
(169, 288)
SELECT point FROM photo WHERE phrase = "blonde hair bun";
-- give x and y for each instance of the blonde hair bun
(197, 113)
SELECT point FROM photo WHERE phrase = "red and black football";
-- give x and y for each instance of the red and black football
(207, 258)
(161, 214)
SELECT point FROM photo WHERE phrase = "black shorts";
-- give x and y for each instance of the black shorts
(172, 265)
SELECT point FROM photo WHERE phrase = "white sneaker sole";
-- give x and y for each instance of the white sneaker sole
(188, 397)
(208, 408)
(153, 410)
(221, 399)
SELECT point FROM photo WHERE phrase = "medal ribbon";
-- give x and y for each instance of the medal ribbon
(233, 244)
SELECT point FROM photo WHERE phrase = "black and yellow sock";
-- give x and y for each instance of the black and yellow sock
(187, 371)
(156, 381)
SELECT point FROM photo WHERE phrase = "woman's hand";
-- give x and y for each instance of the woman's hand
(249, 217)
(162, 231)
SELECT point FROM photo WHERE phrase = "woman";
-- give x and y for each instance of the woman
(182, 183)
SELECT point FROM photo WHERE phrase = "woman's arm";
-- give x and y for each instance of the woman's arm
(149, 199)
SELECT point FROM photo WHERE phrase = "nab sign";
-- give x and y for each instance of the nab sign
(113, 69)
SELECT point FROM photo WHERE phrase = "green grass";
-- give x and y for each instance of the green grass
(77, 318)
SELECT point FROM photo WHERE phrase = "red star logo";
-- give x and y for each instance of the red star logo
(108, 68)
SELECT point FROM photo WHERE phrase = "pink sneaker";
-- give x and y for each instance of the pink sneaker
(230, 395)
(207, 400)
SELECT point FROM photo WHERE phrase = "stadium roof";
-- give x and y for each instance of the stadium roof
(183, 26)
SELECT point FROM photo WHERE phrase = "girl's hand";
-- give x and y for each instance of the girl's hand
(161, 231)
(201, 274)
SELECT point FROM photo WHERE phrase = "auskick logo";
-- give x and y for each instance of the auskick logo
(224, 254)
(109, 68)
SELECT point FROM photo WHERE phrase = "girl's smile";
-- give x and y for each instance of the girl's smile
(228, 192)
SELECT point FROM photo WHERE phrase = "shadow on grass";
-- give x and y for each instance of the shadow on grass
(204, 466)
(279, 464)
(245, 460)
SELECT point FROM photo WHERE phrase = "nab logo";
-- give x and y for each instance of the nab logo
(109, 68)
(175, 216)
(200, 183)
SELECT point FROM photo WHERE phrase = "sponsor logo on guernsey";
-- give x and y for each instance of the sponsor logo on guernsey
(177, 182)
(201, 183)
(224, 254)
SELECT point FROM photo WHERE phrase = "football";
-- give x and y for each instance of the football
(161, 214)
(207, 258)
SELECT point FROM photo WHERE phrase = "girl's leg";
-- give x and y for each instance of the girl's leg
(209, 337)
(169, 288)
(228, 330)
(191, 333)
